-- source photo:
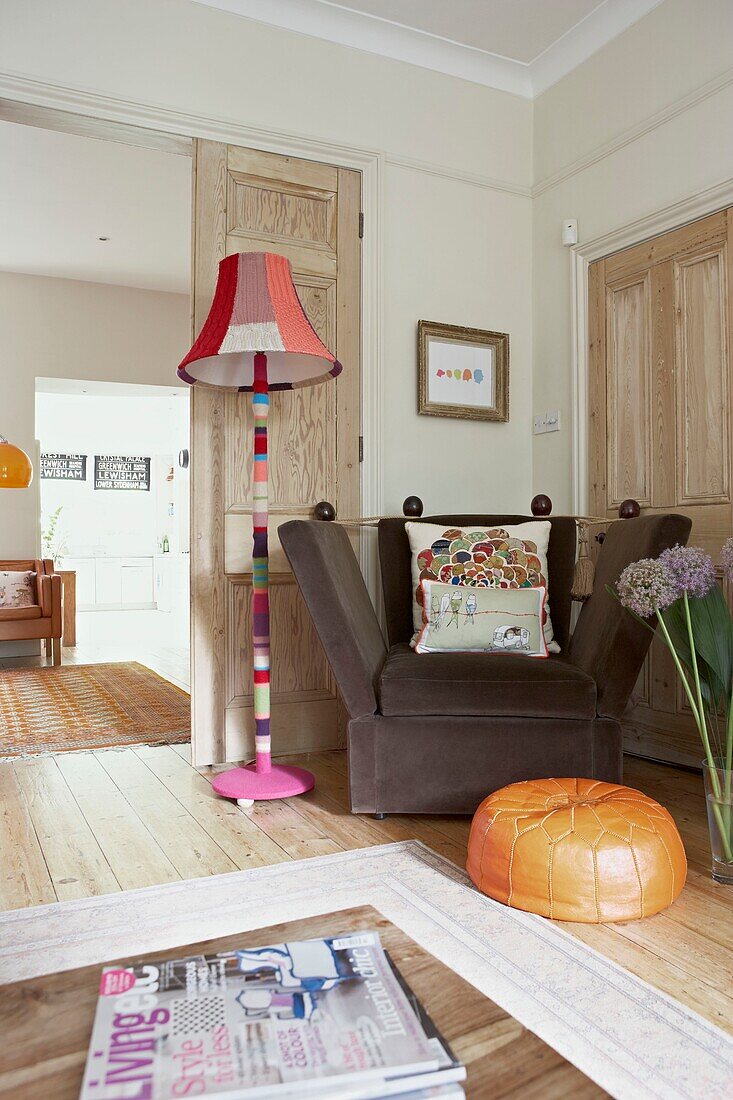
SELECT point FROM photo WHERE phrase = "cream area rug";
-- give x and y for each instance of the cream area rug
(631, 1039)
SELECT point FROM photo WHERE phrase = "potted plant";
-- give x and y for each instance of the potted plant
(680, 589)
(53, 540)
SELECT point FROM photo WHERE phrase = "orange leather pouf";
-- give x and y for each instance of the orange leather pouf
(576, 850)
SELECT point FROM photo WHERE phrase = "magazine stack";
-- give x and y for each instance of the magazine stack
(330, 1018)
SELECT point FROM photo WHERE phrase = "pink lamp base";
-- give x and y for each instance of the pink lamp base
(248, 785)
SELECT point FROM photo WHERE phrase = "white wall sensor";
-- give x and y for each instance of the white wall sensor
(570, 231)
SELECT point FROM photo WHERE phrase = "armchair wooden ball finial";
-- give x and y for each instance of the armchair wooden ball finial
(629, 509)
(412, 507)
(541, 505)
(325, 511)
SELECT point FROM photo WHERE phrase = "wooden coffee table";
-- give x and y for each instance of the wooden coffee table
(46, 1022)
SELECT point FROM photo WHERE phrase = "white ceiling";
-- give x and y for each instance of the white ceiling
(520, 46)
(88, 387)
(60, 192)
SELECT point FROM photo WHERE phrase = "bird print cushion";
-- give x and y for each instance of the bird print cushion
(482, 620)
(508, 557)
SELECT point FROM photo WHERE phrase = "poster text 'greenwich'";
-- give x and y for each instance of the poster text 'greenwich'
(122, 472)
(58, 467)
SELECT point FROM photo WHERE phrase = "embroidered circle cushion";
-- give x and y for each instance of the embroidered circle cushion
(497, 557)
(576, 850)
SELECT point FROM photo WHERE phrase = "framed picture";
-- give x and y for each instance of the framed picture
(462, 372)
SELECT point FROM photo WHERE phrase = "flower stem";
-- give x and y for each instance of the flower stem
(702, 721)
(729, 745)
(723, 827)
(727, 775)
(680, 670)
(699, 718)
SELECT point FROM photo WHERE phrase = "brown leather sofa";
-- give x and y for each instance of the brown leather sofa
(436, 733)
(43, 619)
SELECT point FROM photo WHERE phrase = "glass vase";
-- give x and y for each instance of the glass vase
(719, 801)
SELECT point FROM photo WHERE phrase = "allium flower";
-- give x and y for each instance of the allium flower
(726, 558)
(646, 586)
(691, 569)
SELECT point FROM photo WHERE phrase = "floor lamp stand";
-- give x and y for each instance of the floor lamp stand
(262, 779)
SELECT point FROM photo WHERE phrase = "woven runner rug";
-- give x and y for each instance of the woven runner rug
(89, 707)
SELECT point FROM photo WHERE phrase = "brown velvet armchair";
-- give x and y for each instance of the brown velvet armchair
(43, 619)
(437, 732)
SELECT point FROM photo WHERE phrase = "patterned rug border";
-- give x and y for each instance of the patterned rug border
(180, 738)
(635, 1041)
(176, 736)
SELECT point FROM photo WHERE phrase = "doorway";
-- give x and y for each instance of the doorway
(114, 502)
(95, 312)
(92, 822)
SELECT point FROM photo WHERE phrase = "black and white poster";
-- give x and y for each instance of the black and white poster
(122, 472)
(55, 467)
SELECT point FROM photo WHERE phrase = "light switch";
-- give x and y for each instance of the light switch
(540, 424)
(552, 421)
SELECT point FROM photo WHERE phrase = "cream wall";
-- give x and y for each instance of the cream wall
(643, 124)
(455, 248)
(59, 328)
(459, 254)
(189, 57)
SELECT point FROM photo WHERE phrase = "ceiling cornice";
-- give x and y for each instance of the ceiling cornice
(332, 23)
(584, 39)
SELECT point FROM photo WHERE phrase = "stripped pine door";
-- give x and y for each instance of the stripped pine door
(660, 324)
(246, 200)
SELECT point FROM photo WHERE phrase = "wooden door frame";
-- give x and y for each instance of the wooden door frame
(582, 256)
(34, 103)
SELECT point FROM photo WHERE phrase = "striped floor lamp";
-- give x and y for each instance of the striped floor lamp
(256, 339)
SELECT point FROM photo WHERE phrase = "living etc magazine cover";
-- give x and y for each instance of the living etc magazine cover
(331, 1018)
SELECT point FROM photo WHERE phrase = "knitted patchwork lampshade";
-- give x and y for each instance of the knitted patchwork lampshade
(256, 309)
(257, 338)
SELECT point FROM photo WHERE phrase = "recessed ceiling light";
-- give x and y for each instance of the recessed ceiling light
(102, 238)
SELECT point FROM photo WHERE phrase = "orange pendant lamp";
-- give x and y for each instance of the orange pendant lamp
(16, 469)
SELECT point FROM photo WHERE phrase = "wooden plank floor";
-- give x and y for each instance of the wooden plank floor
(169, 661)
(81, 824)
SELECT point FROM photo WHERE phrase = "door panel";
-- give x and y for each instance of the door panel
(702, 381)
(301, 445)
(628, 342)
(291, 215)
(248, 200)
(659, 319)
(302, 667)
(663, 438)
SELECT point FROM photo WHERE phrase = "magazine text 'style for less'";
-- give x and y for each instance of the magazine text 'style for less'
(327, 1018)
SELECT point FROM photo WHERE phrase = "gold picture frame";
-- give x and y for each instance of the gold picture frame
(462, 372)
